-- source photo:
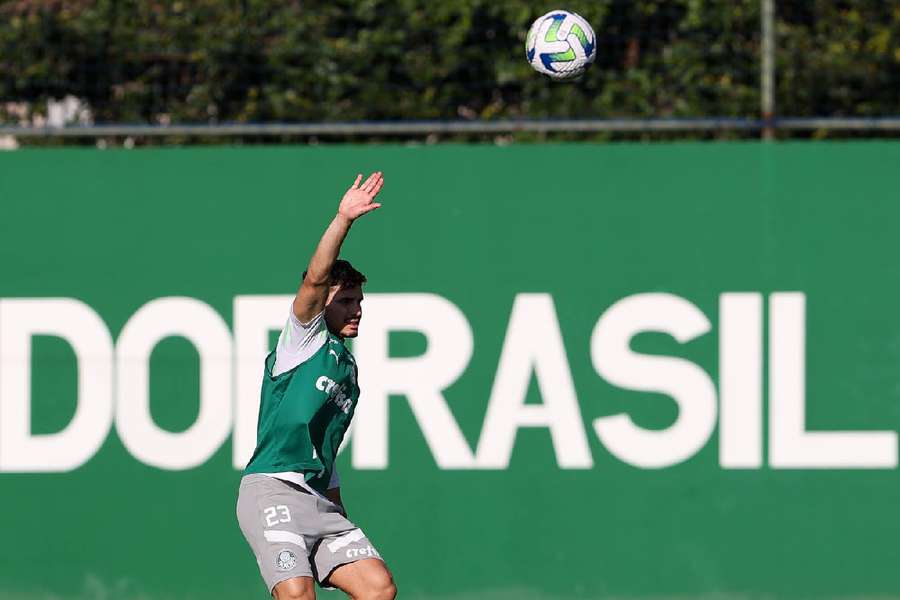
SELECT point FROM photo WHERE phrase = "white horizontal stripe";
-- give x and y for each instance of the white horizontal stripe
(276, 535)
(346, 540)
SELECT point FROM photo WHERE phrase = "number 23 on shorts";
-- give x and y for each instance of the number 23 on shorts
(277, 514)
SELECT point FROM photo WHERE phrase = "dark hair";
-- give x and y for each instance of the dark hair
(343, 274)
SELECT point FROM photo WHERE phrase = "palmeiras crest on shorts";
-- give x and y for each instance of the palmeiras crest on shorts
(286, 560)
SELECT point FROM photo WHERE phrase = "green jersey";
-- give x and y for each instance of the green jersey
(305, 411)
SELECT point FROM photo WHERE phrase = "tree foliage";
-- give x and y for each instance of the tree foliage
(213, 61)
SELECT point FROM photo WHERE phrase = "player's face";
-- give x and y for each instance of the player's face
(344, 310)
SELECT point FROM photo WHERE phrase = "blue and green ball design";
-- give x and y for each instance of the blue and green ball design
(560, 44)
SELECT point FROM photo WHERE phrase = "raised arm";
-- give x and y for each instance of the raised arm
(313, 292)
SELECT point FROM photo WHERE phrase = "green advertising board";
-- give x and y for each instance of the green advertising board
(629, 371)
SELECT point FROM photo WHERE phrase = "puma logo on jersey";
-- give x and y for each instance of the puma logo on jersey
(336, 393)
(338, 357)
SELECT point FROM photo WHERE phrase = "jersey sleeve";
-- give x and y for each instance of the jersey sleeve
(299, 341)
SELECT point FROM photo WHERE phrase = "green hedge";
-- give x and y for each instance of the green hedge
(210, 61)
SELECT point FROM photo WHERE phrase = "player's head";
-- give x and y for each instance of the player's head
(343, 308)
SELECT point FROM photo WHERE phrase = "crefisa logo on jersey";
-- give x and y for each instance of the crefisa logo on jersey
(336, 393)
(286, 560)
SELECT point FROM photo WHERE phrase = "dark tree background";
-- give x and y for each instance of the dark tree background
(208, 61)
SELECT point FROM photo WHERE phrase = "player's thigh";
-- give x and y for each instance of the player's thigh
(276, 522)
(367, 578)
(295, 588)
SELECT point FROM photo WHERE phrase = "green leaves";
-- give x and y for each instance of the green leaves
(207, 61)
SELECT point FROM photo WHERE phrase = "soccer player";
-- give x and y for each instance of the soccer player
(289, 505)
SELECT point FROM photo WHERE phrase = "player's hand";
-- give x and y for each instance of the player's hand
(360, 198)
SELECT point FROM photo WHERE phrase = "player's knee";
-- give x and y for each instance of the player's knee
(294, 589)
(390, 592)
(387, 592)
(382, 587)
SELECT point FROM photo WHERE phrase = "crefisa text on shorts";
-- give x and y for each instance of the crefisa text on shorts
(113, 383)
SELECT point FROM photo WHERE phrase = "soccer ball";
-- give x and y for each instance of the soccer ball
(560, 45)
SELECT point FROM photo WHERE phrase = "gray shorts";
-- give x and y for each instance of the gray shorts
(294, 533)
